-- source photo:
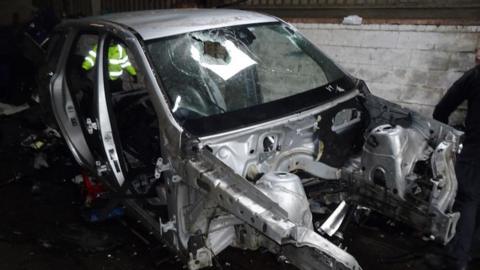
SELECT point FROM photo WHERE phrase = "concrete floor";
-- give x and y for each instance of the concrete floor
(41, 225)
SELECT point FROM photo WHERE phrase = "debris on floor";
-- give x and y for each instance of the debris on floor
(43, 226)
(7, 109)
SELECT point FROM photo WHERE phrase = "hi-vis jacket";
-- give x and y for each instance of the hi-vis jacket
(117, 61)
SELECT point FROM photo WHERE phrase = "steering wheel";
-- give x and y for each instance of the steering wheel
(191, 104)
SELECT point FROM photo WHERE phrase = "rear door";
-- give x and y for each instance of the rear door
(108, 121)
(80, 106)
(71, 92)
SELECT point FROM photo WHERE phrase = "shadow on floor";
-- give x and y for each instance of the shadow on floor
(41, 225)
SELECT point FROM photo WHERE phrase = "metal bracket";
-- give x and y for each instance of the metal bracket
(161, 167)
(333, 222)
(168, 226)
(319, 169)
(101, 168)
(202, 259)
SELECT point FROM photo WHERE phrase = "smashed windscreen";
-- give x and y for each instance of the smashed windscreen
(219, 71)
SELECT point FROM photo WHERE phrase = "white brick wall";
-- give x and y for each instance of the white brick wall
(409, 64)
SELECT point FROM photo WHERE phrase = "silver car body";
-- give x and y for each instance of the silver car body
(211, 204)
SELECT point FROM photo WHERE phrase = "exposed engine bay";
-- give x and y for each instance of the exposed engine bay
(223, 139)
(263, 187)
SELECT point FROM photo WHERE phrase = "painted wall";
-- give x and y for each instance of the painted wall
(409, 64)
(362, 3)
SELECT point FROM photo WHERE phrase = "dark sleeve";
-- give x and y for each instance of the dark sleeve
(457, 93)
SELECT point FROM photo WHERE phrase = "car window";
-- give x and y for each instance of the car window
(222, 70)
(81, 81)
(286, 67)
(54, 50)
(81, 68)
(132, 113)
(121, 68)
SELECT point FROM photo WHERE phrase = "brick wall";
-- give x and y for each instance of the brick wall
(360, 3)
(409, 64)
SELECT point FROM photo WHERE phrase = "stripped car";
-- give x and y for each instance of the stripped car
(237, 131)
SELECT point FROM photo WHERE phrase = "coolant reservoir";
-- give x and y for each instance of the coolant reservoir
(286, 189)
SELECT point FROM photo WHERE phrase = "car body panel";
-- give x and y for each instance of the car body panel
(163, 23)
(226, 189)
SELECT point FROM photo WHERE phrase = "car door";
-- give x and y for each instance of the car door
(79, 105)
(70, 92)
(109, 140)
(127, 120)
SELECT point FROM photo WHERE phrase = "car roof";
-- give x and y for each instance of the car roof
(153, 24)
